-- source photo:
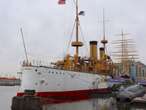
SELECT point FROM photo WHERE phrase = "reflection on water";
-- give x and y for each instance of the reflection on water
(93, 104)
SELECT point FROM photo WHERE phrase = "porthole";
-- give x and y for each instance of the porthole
(36, 83)
(42, 81)
(39, 73)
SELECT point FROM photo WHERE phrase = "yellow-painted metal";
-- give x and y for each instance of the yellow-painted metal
(67, 64)
(93, 50)
(77, 44)
(75, 59)
(91, 64)
(102, 53)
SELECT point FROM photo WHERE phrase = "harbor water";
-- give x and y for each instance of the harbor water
(93, 104)
(7, 92)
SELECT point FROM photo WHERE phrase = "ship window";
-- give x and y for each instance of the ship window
(52, 71)
(56, 72)
(36, 83)
(42, 81)
(39, 73)
(36, 70)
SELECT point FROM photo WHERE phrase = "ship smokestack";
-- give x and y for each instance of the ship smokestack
(93, 50)
(102, 53)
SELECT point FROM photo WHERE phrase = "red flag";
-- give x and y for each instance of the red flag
(61, 2)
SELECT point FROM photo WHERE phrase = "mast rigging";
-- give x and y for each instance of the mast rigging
(77, 43)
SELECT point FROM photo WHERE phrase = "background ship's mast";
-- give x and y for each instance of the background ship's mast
(125, 53)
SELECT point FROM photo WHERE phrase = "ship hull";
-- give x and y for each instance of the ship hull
(60, 85)
(69, 96)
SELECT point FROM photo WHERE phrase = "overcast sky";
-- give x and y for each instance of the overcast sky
(47, 27)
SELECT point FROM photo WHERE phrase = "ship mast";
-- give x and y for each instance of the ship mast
(104, 41)
(24, 45)
(125, 51)
(77, 43)
(77, 28)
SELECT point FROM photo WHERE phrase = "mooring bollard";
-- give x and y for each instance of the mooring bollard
(27, 102)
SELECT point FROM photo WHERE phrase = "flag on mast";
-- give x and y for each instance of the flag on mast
(61, 2)
(82, 13)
